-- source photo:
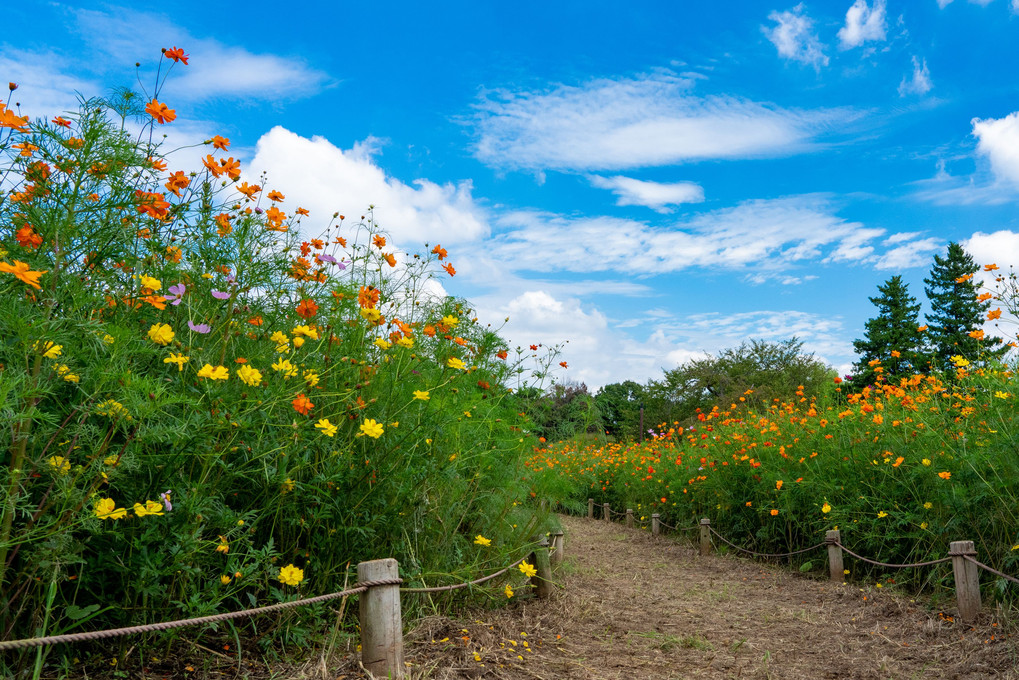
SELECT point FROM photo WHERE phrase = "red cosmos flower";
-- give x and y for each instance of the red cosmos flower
(534, 348)
(160, 112)
(307, 308)
(177, 54)
(302, 404)
(449, 269)
(502, 354)
(62, 122)
(563, 364)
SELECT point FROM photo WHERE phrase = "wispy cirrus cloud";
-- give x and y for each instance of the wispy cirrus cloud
(794, 37)
(648, 120)
(655, 195)
(215, 69)
(769, 235)
(919, 82)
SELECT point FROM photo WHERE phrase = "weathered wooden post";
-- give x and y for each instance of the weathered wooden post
(542, 580)
(381, 623)
(590, 508)
(836, 570)
(556, 556)
(629, 518)
(967, 580)
(606, 512)
(654, 524)
(705, 536)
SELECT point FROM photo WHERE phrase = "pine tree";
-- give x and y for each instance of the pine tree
(892, 341)
(956, 313)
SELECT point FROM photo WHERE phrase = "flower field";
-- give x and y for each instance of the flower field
(205, 409)
(900, 470)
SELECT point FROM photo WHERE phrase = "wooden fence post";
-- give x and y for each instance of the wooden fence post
(556, 556)
(836, 570)
(654, 524)
(542, 580)
(381, 623)
(590, 508)
(629, 518)
(705, 536)
(967, 580)
(607, 512)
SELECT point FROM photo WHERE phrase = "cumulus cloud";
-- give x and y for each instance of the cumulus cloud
(317, 175)
(794, 37)
(650, 120)
(45, 84)
(654, 195)
(863, 23)
(919, 82)
(998, 139)
(911, 254)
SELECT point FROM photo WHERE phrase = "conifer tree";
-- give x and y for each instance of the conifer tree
(892, 345)
(956, 313)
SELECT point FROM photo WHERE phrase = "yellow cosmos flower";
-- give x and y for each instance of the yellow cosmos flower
(151, 283)
(1002, 395)
(826, 508)
(482, 541)
(285, 367)
(450, 320)
(306, 331)
(882, 514)
(214, 372)
(406, 343)
(928, 505)
(224, 579)
(372, 428)
(291, 575)
(298, 341)
(150, 508)
(528, 570)
(311, 377)
(328, 429)
(108, 339)
(223, 546)
(161, 334)
(60, 464)
(371, 314)
(287, 486)
(279, 338)
(249, 376)
(106, 508)
(926, 461)
(48, 349)
(508, 590)
(382, 343)
(178, 359)
(455, 363)
(422, 395)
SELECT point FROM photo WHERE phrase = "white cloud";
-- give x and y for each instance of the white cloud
(999, 247)
(315, 174)
(912, 254)
(944, 3)
(45, 88)
(654, 195)
(650, 120)
(919, 83)
(1015, 6)
(863, 23)
(767, 234)
(793, 36)
(998, 139)
(214, 69)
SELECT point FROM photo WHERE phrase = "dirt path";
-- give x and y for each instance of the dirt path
(633, 606)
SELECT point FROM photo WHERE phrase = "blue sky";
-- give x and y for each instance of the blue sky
(647, 184)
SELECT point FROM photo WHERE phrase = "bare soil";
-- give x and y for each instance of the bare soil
(630, 605)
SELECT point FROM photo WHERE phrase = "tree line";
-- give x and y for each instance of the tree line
(895, 344)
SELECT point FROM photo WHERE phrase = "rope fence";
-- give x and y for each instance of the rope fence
(380, 612)
(962, 554)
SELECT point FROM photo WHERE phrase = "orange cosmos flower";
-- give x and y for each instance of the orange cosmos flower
(302, 404)
(26, 148)
(249, 190)
(945, 475)
(341, 241)
(177, 54)
(502, 354)
(390, 258)
(368, 297)
(221, 143)
(449, 269)
(429, 331)
(9, 120)
(62, 122)
(152, 203)
(231, 167)
(563, 364)
(176, 182)
(223, 224)
(994, 314)
(302, 211)
(990, 267)
(21, 271)
(157, 164)
(379, 242)
(255, 320)
(985, 296)
(440, 251)
(307, 308)
(534, 348)
(160, 112)
(212, 165)
(28, 238)
(921, 329)
(774, 512)
(977, 334)
(275, 196)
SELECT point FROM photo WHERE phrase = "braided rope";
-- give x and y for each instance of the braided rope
(893, 566)
(663, 524)
(168, 625)
(760, 554)
(970, 558)
(441, 589)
